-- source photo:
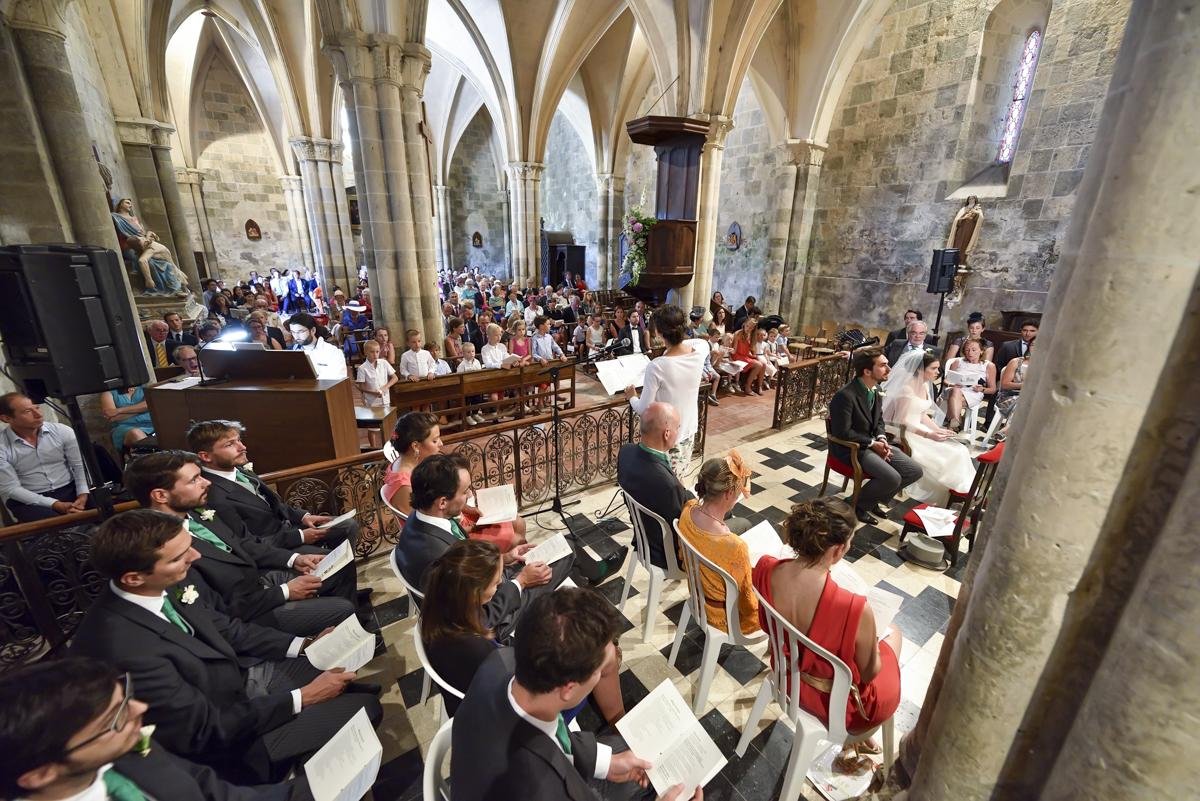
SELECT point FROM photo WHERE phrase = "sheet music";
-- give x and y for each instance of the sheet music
(623, 371)
(496, 504)
(663, 730)
(346, 766)
(339, 519)
(550, 551)
(348, 646)
(179, 383)
(763, 540)
(334, 561)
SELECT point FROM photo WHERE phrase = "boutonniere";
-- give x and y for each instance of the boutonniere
(188, 595)
(143, 744)
(207, 514)
(248, 467)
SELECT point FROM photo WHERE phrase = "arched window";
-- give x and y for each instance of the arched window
(1022, 82)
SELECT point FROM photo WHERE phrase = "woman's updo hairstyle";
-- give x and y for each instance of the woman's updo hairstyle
(412, 427)
(927, 360)
(716, 477)
(813, 527)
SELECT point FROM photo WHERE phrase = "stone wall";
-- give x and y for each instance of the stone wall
(477, 201)
(641, 168)
(898, 147)
(241, 179)
(569, 193)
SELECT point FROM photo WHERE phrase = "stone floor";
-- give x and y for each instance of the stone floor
(788, 467)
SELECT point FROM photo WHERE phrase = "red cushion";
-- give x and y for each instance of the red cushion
(994, 455)
(959, 495)
(911, 518)
(838, 466)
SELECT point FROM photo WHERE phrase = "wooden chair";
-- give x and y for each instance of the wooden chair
(852, 471)
(968, 517)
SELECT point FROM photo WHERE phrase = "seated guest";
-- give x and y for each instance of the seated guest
(187, 360)
(908, 401)
(747, 309)
(158, 345)
(126, 411)
(256, 581)
(175, 334)
(375, 377)
(236, 493)
(509, 737)
(720, 321)
(72, 729)
(856, 415)
(41, 469)
(416, 363)
(910, 315)
(256, 326)
(1012, 379)
(461, 581)
(805, 594)
(719, 486)
(635, 332)
(976, 379)
(328, 359)
(644, 472)
(616, 325)
(1017, 347)
(230, 694)
(752, 376)
(354, 323)
(387, 348)
(915, 334)
(544, 347)
(208, 331)
(974, 331)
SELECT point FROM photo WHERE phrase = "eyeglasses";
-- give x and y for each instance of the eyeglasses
(119, 719)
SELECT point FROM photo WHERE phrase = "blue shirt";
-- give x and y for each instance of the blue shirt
(28, 471)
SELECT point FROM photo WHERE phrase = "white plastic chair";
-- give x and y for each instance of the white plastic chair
(430, 673)
(714, 638)
(390, 454)
(783, 683)
(435, 786)
(415, 597)
(384, 500)
(641, 551)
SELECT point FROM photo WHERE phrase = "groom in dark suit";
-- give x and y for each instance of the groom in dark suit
(856, 415)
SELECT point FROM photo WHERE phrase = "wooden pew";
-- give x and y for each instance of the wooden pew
(453, 397)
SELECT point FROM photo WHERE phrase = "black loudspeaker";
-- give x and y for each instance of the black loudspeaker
(68, 323)
(942, 270)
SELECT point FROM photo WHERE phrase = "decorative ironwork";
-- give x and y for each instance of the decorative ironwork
(805, 388)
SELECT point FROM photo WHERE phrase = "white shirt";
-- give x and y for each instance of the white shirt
(96, 791)
(674, 380)
(328, 360)
(494, 355)
(417, 363)
(441, 367)
(375, 376)
(27, 471)
(550, 729)
(532, 313)
(469, 365)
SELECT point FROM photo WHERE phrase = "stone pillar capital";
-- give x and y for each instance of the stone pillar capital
(525, 170)
(403, 64)
(189, 175)
(609, 183)
(308, 148)
(144, 131)
(291, 183)
(804, 152)
(350, 52)
(44, 16)
(719, 127)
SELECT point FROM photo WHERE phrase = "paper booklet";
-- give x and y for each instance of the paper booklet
(349, 646)
(883, 603)
(334, 561)
(550, 551)
(179, 383)
(496, 504)
(663, 730)
(763, 540)
(623, 371)
(346, 766)
(339, 519)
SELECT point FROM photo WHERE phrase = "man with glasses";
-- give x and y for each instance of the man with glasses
(41, 469)
(328, 360)
(71, 729)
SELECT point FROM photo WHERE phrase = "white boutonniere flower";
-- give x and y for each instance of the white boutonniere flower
(207, 514)
(189, 595)
(248, 467)
(143, 744)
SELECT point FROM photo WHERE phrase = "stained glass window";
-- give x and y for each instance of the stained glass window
(1022, 82)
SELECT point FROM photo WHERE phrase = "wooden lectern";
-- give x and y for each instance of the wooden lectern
(290, 421)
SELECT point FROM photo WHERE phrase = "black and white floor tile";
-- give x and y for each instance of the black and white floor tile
(788, 468)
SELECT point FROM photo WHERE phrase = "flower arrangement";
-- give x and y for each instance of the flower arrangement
(636, 227)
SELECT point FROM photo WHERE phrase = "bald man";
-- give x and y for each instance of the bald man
(644, 471)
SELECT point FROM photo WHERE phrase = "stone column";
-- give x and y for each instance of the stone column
(524, 185)
(192, 194)
(506, 200)
(184, 244)
(413, 70)
(441, 215)
(711, 156)
(1069, 551)
(326, 215)
(611, 208)
(804, 157)
(343, 212)
(293, 197)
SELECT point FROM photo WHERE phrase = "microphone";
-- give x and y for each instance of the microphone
(624, 343)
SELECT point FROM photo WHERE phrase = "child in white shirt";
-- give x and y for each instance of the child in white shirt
(416, 363)
(468, 363)
(441, 367)
(778, 344)
(494, 352)
(375, 376)
(765, 354)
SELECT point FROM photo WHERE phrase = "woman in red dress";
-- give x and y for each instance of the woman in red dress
(751, 377)
(805, 594)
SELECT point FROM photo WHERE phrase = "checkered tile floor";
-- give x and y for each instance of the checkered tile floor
(788, 468)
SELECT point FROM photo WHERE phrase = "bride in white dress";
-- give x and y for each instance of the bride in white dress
(908, 401)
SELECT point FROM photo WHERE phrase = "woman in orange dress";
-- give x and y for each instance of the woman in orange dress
(805, 594)
(719, 486)
(750, 379)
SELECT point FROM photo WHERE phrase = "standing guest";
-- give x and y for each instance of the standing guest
(751, 376)
(158, 345)
(375, 377)
(41, 469)
(747, 309)
(72, 729)
(416, 363)
(468, 363)
(710, 375)
(210, 291)
(519, 344)
(471, 330)
(1015, 348)
(856, 415)
(804, 592)
(454, 338)
(440, 366)
(783, 354)
(673, 378)
(187, 360)
(126, 411)
(176, 336)
(328, 359)
(976, 380)
(910, 316)
(544, 348)
(494, 352)
(974, 331)
(387, 348)
(256, 325)
(914, 339)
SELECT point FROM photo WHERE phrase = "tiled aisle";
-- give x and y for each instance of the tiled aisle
(788, 469)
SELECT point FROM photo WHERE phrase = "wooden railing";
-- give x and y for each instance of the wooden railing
(804, 389)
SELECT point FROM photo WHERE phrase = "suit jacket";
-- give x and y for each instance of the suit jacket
(265, 515)
(894, 351)
(653, 485)
(473, 333)
(899, 333)
(421, 543)
(851, 418)
(236, 575)
(172, 344)
(194, 684)
(1006, 353)
(163, 775)
(496, 755)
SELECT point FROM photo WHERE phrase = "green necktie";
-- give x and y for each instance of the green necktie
(121, 789)
(245, 481)
(563, 736)
(199, 531)
(456, 530)
(169, 612)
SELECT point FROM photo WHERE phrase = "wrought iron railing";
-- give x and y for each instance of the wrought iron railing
(804, 389)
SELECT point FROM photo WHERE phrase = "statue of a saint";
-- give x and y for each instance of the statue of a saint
(964, 230)
(127, 224)
(159, 272)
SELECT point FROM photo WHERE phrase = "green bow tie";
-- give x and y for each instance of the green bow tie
(169, 612)
(457, 531)
(201, 532)
(563, 736)
(120, 788)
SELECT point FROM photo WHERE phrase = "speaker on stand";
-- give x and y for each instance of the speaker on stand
(69, 329)
(941, 279)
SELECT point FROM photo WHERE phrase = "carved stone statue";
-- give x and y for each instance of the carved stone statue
(158, 269)
(964, 230)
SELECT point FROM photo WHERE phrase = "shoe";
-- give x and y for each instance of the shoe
(712, 401)
(878, 510)
(865, 517)
(608, 567)
(364, 595)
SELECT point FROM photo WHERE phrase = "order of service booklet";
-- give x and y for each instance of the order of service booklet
(663, 730)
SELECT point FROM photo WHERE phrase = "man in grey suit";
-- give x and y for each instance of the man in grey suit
(917, 332)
